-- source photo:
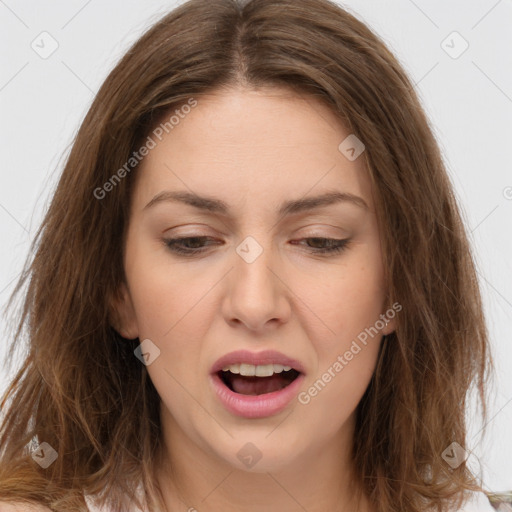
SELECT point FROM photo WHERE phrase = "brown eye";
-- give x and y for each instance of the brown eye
(333, 245)
(187, 246)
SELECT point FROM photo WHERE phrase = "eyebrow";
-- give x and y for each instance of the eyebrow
(289, 207)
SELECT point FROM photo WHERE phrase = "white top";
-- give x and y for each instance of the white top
(93, 508)
(91, 505)
(478, 503)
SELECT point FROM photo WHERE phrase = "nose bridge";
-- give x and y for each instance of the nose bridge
(256, 293)
(252, 269)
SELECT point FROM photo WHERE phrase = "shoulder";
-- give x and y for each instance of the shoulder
(12, 506)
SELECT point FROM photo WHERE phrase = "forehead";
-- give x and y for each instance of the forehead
(249, 145)
(269, 118)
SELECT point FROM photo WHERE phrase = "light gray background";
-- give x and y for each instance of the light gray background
(468, 98)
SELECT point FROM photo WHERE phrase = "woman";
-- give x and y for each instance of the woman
(252, 289)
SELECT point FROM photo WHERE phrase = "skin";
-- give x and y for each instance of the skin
(254, 149)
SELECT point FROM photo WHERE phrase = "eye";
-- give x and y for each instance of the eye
(177, 245)
(334, 245)
(189, 246)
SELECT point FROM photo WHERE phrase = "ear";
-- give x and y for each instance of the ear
(122, 313)
(389, 318)
(389, 327)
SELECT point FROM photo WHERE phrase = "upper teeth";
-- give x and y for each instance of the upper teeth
(260, 370)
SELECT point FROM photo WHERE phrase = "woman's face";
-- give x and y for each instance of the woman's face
(259, 280)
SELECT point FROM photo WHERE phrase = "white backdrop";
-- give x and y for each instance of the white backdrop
(54, 56)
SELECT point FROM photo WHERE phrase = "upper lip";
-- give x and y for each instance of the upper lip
(256, 358)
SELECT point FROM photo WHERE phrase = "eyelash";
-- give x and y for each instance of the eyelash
(173, 245)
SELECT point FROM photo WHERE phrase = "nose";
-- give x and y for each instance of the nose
(257, 295)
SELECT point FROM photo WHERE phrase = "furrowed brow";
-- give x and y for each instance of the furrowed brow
(290, 207)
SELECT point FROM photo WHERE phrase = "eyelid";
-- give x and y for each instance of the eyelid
(335, 246)
(311, 231)
(313, 227)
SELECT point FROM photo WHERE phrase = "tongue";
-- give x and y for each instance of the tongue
(258, 385)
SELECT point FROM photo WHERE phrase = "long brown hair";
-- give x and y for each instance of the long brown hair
(82, 390)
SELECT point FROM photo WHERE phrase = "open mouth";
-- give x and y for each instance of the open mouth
(257, 385)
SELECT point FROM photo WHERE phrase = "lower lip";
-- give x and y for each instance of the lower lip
(256, 406)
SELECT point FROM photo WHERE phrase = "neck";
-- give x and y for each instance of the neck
(195, 479)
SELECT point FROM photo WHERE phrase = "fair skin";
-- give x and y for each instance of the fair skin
(254, 150)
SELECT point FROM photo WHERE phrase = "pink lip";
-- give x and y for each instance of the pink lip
(256, 406)
(255, 358)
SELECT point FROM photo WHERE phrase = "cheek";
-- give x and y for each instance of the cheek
(346, 358)
(172, 315)
(349, 297)
(349, 301)
(331, 397)
(163, 293)
(171, 312)
(175, 309)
